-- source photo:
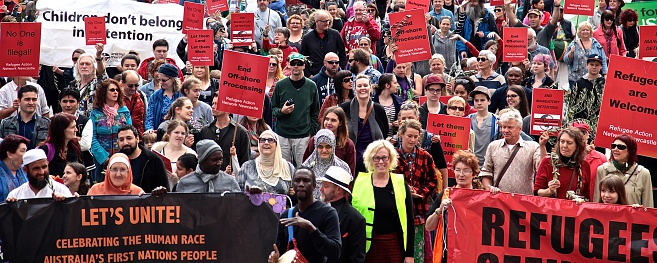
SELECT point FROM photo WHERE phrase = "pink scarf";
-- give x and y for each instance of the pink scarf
(111, 113)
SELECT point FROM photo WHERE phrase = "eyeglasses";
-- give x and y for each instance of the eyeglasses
(377, 159)
(163, 80)
(267, 140)
(482, 59)
(113, 90)
(296, 63)
(132, 86)
(456, 108)
(464, 171)
(119, 170)
(333, 62)
(370, 10)
(273, 64)
(512, 96)
(618, 146)
(323, 21)
(347, 79)
(434, 91)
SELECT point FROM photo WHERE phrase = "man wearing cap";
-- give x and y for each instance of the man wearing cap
(593, 157)
(543, 34)
(39, 184)
(208, 177)
(334, 191)
(160, 51)
(590, 85)
(434, 87)
(295, 104)
(483, 123)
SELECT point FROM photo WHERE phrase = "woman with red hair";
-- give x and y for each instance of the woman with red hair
(62, 145)
(628, 21)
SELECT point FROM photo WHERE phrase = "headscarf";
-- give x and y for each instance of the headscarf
(274, 163)
(108, 188)
(319, 165)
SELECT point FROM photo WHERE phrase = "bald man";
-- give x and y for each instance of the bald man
(324, 79)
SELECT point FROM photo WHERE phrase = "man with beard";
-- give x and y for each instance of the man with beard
(543, 34)
(334, 192)
(148, 171)
(514, 76)
(477, 23)
(359, 63)
(324, 80)
(295, 104)
(39, 184)
(315, 225)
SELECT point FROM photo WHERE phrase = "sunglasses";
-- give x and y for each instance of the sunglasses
(351, 59)
(296, 63)
(609, 19)
(273, 64)
(482, 59)
(164, 80)
(113, 90)
(498, 10)
(347, 79)
(456, 108)
(267, 140)
(512, 96)
(363, 45)
(132, 86)
(75, 59)
(618, 146)
(333, 62)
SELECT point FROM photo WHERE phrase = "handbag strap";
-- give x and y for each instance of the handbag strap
(367, 116)
(290, 230)
(506, 166)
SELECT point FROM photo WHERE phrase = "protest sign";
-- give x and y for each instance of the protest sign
(444, 99)
(168, 2)
(507, 227)
(454, 134)
(579, 7)
(193, 16)
(418, 4)
(547, 111)
(242, 29)
(19, 46)
(94, 29)
(409, 31)
(215, 6)
(200, 47)
(499, 3)
(647, 41)
(628, 107)
(647, 11)
(170, 228)
(515, 44)
(423, 99)
(243, 82)
(130, 25)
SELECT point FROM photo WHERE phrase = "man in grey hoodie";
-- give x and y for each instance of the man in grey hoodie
(208, 177)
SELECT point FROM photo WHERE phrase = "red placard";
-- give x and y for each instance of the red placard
(515, 44)
(444, 99)
(409, 31)
(200, 46)
(507, 227)
(418, 4)
(94, 30)
(20, 46)
(165, 160)
(243, 84)
(579, 7)
(168, 2)
(242, 29)
(547, 110)
(629, 107)
(423, 99)
(193, 16)
(215, 6)
(454, 134)
(647, 41)
(499, 3)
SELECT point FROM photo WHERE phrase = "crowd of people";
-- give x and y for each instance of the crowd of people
(343, 132)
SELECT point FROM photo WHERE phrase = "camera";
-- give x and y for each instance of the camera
(289, 102)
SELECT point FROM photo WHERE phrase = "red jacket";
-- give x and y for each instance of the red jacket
(136, 107)
(353, 31)
(143, 68)
(287, 50)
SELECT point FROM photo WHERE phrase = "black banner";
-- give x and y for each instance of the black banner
(170, 228)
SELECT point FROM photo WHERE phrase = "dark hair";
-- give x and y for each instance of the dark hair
(70, 92)
(465, 82)
(178, 103)
(188, 161)
(128, 127)
(376, 9)
(338, 79)
(384, 79)
(79, 168)
(628, 15)
(343, 132)
(606, 15)
(577, 135)
(56, 133)
(631, 148)
(362, 56)
(27, 88)
(101, 93)
(523, 106)
(160, 43)
(614, 183)
(398, 6)
(261, 125)
(10, 144)
(131, 56)
(312, 173)
(331, 3)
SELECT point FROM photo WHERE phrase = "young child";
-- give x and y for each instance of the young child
(149, 140)
(612, 191)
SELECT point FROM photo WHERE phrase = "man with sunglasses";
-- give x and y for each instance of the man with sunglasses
(324, 79)
(543, 34)
(318, 42)
(132, 98)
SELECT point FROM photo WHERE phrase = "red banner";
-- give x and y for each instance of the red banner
(94, 30)
(647, 41)
(242, 29)
(20, 48)
(193, 16)
(200, 47)
(409, 31)
(215, 6)
(444, 99)
(515, 44)
(547, 110)
(243, 84)
(454, 134)
(418, 4)
(629, 107)
(579, 7)
(483, 227)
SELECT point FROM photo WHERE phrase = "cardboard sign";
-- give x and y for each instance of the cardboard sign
(409, 31)
(454, 134)
(215, 6)
(243, 84)
(629, 107)
(20, 48)
(242, 29)
(168, 2)
(647, 41)
(94, 30)
(579, 7)
(418, 4)
(200, 47)
(547, 110)
(193, 16)
(515, 44)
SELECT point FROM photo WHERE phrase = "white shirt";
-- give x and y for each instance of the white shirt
(25, 192)
(9, 92)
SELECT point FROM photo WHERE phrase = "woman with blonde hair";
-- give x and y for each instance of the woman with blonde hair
(438, 64)
(274, 73)
(173, 146)
(209, 86)
(159, 102)
(580, 49)
(456, 107)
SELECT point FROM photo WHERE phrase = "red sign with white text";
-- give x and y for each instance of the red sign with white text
(547, 110)
(409, 31)
(454, 134)
(242, 29)
(168, 2)
(579, 7)
(499, 3)
(200, 47)
(215, 6)
(629, 107)
(515, 44)
(94, 28)
(243, 82)
(507, 227)
(193, 16)
(418, 4)
(20, 46)
(647, 41)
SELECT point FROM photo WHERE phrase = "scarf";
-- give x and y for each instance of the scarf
(111, 112)
(623, 168)
(108, 188)
(375, 130)
(320, 165)
(559, 161)
(274, 167)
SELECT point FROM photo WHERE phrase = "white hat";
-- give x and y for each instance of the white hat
(338, 176)
(33, 155)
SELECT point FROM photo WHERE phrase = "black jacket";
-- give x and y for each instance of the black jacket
(315, 49)
(225, 140)
(352, 230)
(154, 173)
(9, 125)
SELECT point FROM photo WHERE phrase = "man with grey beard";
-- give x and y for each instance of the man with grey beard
(478, 26)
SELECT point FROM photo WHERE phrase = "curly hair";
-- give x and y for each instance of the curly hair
(372, 148)
(101, 93)
(628, 15)
(577, 136)
(471, 160)
(154, 66)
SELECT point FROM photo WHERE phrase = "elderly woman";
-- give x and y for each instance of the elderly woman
(486, 76)
(159, 102)
(456, 107)
(580, 49)
(564, 170)
(623, 163)
(280, 41)
(324, 156)
(269, 171)
(118, 179)
(385, 200)
(12, 175)
(466, 170)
